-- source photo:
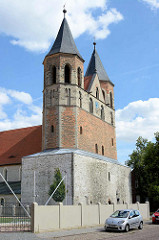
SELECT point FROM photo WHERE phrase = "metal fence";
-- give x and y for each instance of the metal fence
(14, 219)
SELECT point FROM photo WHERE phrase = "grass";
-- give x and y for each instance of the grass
(13, 220)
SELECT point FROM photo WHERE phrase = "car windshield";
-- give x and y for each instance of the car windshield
(120, 214)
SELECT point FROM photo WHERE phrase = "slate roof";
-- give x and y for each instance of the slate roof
(16, 187)
(96, 66)
(15, 144)
(59, 151)
(64, 42)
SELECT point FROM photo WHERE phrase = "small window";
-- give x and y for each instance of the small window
(80, 99)
(97, 93)
(109, 176)
(112, 142)
(52, 128)
(81, 130)
(2, 202)
(90, 105)
(96, 148)
(111, 116)
(20, 173)
(103, 94)
(102, 150)
(111, 100)
(102, 112)
(67, 74)
(79, 76)
(54, 74)
(5, 174)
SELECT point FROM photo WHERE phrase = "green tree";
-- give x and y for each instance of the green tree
(59, 195)
(145, 163)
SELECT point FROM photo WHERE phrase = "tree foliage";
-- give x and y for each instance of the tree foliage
(59, 195)
(145, 162)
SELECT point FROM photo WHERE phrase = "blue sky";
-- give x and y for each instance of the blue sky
(127, 36)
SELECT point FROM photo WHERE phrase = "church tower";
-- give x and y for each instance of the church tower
(78, 112)
(63, 75)
(78, 135)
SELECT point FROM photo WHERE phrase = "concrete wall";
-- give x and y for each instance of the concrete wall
(50, 218)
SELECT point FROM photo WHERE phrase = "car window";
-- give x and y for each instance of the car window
(132, 214)
(157, 210)
(120, 214)
(137, 213)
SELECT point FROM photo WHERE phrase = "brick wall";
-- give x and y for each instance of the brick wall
(68, 127)
(96, 131)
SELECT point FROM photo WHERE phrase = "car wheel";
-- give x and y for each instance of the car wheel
(127, 228)
(141, 225)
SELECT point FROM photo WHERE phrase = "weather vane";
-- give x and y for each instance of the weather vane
(94, 43)
(64, 9)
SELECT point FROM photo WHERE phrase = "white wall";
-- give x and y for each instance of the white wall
(50, 218)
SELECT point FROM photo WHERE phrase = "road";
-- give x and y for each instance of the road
(149, 232)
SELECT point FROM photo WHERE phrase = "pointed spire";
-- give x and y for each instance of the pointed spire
(64, 42)
(95, 66)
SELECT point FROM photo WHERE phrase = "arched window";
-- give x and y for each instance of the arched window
(111, 116)
(102, 150)
(90, 105)
(102, 112)
(79, 76)
(53, 74)
(80, 99)
(97, 93)
(2, 201)
(96, 148)
(103, 94)
(67, 74)
(6, 174)
(111, 100)
(81, 130)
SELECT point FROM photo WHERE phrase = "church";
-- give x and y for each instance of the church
(77, 134)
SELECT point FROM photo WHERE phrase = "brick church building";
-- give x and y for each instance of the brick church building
(78, 132)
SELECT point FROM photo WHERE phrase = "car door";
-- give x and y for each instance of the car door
(137, 218)
(132, 219)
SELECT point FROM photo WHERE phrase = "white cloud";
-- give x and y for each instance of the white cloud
(140, 118)
(24, 114)
(34, 23)
(154, 4)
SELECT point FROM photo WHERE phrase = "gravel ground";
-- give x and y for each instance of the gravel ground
(149, 232)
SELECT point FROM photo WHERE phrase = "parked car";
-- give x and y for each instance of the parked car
(124, 220)
(155, 217)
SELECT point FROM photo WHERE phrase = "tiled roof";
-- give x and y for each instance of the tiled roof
(15, 186)
(87, 82)
(64, 42)
(15, 144)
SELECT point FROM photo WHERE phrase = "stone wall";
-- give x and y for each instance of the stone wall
(13, 172)
(90, 177)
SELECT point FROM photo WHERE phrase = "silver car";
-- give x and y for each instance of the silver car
(124, 220)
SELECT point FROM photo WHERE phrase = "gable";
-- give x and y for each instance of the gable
(93, 85)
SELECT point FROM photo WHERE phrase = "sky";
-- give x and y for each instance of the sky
(127, 37)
